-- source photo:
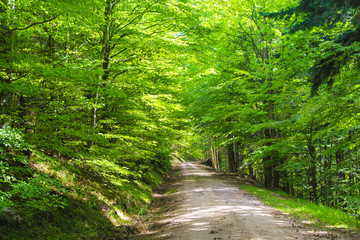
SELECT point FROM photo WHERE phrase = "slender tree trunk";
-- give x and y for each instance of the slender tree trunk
(251, 172)
(238, 155)
(286, 186)
(105, 58)
(219, 158)
(231, 158)
(273, 160)
(312, 169)
(276, 174)
(339, 155)
(268, 177)
(272, 178)
(268, 164)
(313, 172)
(328, 181)
(214, 154)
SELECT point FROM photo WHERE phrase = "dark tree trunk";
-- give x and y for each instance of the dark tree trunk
(312, 173)
(268, 164)
(276, 180)
(268, 171)
(231, 158)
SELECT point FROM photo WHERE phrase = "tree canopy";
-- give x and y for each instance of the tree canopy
(98, 98)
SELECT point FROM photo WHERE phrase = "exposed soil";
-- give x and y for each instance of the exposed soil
(201, 204)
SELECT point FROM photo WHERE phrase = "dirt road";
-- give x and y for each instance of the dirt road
(208, 206)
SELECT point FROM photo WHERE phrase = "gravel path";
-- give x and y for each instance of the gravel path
(208, 206)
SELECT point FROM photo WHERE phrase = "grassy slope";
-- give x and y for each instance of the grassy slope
(102, 197)
(306, 210)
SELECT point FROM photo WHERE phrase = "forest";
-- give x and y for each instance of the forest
(98, 98)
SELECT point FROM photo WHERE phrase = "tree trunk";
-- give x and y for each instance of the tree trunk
(105, 59)
(313, 172)
(251, 172)
(268, 170)
(231, 158)
(312, 169)
(268, 163)
(214, 154)
(276, 180)
(339, 155)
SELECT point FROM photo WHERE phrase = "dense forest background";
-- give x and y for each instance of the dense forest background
(97, 98)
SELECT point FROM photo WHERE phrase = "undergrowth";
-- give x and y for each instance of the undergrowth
(306, 210)
(99, 197)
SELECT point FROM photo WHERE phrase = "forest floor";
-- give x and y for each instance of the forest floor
(197, 203)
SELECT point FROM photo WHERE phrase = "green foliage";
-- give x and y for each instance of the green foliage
(251, 97)
(11, 140)
(94, 87)
(98, 97)
(340, 19)
(23, 192)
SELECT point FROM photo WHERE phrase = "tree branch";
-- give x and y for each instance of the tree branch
(29, 26)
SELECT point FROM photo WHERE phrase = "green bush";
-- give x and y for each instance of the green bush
(23, 191)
